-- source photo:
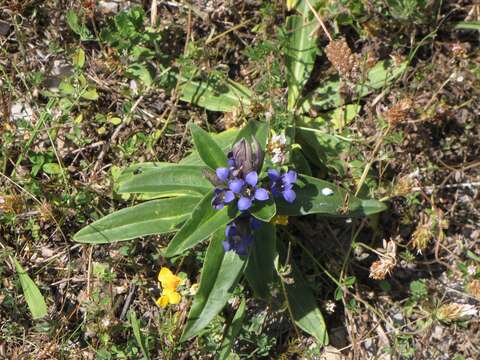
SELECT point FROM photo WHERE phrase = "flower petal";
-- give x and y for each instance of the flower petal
(226, 246)
(231, 230)
(261, 194)
(290, 177)
(162, 301)
(273, 174)
(236, 185)
(222, 173)
(228, 197)
(173, 297)
(168, 279)
(289, 195)
(252, 178)
(244, 203)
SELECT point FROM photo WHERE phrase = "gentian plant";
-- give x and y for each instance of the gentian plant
(230, 196)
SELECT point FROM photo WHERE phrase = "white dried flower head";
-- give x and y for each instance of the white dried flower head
(455, 312)
(387, 262)
(330, 306)
(277, 148)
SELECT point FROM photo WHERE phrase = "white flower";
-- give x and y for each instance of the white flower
(472, 270)
(278, 156)
(327, 191)
(279, 139)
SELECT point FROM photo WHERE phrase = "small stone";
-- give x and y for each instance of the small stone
(20, 111)
(108, 7)
(327, 191)
(4, 27)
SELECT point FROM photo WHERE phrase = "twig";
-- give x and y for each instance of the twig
(319, 19)
(128, 301)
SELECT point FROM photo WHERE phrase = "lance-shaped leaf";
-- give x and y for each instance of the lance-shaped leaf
(220, 274)
(153, 217)
(300, 54)
(315, 196)
(264, 210)
(261, 266)
(33, 296)
(226, 96)
(327, 95)
(305, 312)
(135, 323)
(211, 154)
(168, 180)
(225, 140)
(205, 220)
(232, 332)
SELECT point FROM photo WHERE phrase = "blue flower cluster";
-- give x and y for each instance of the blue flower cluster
(240, 181)
(239, 234)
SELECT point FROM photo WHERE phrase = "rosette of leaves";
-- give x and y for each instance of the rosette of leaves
(181, 202)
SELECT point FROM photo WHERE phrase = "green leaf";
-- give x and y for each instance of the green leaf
(255, 129)
(300, 55)
(339, 117)
(232, 332)
(33, 296)
(315, 196)
(153, 217)
(300, 162)
(220, 274)
(211, 154)
(138, 335)
(305, 312)
(224, 140)
(172, 180)
(205, 220)
(226, 97)
(78, 28)
(322, 149)
(90, 94)
(141, 72)
(79, 58)
(468, 25)
(327, 96)
(52, 168)
(260, 266)
(264, 210)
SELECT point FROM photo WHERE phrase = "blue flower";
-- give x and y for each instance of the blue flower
(239, 234)
(282, 184)
(250, 192)
(222, 197)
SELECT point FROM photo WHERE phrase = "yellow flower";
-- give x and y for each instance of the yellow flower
(168, 279)
(169, 282)
(168, 297)
(280, 220)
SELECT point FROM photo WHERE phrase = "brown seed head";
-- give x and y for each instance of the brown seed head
(399, 112)
(345, 62)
